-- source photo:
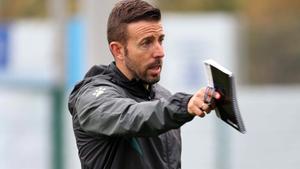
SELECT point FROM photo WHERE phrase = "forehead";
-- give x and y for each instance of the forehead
(143, 28)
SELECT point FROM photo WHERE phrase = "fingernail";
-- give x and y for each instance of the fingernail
(217, 95)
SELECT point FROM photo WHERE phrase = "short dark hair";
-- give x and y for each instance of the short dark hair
(129, 11)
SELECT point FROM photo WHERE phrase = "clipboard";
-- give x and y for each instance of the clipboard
(222, 80)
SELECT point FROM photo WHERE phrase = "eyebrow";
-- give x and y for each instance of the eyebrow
(152, 37)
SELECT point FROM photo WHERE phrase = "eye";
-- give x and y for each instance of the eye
(161, 39)
(146, 42)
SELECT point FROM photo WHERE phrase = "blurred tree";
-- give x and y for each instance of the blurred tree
(272, 30)
(199, 5)
(73, 7)
(274, 39)
(14, 9)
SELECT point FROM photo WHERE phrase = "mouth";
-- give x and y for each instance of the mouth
(155, 68)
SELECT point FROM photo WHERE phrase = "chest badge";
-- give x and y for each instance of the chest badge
(99, 91)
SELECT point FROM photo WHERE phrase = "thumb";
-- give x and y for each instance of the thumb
(217, 95)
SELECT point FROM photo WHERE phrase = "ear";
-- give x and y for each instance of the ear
(117, 50)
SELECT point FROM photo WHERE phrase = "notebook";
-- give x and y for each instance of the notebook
(227, 107)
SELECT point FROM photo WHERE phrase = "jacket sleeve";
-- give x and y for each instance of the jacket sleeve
(103, 110)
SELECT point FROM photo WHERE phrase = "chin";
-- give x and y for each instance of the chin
(153, 80)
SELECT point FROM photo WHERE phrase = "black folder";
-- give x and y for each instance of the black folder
(227, 107)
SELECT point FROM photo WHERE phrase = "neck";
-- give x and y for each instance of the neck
(124, 70)
(128, 74)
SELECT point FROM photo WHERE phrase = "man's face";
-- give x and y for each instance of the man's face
(144, 51)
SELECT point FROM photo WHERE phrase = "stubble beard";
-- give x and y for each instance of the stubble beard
(132, 67)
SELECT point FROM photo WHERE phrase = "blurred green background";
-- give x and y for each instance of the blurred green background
(271, 29)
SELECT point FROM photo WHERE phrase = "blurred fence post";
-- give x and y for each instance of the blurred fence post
(57, 127)
(58, 14)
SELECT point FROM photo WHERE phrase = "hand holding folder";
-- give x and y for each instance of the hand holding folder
(221, 80)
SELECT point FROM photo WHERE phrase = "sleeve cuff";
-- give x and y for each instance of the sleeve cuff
(180, 103)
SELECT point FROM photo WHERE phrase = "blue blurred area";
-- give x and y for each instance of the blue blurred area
(75, 51)
(4, 33)
(33, 93)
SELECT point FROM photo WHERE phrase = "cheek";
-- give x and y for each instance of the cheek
(140, 57)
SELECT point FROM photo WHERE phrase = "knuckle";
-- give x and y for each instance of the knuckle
(201, 114)
(198, 94)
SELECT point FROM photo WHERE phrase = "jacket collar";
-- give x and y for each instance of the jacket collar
(135, 86)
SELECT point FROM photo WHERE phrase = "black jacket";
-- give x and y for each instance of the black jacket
(118, 124)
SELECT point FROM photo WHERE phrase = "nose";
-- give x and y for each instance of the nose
(159, 50)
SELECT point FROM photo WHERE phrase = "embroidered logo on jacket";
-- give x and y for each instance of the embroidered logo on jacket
(99, 91)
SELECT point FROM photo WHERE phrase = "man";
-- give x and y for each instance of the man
(122, 118)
